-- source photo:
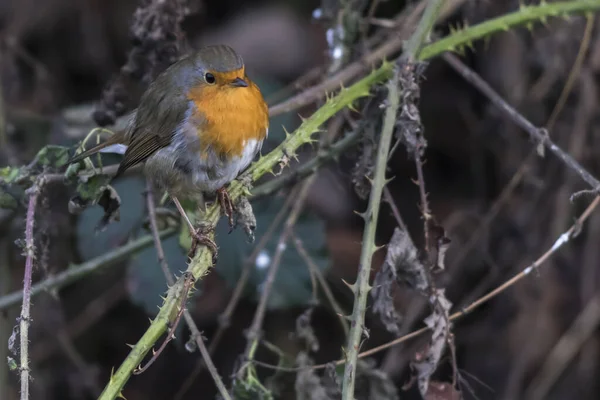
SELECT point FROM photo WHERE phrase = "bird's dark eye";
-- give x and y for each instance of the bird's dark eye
(209, 78)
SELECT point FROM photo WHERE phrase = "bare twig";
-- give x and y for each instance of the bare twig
(333, 82)
(196, 335)
(322, 282)
(345, 75)
(558, 244)
(387, 195)
(425, 211)
(564, 94)
(518, 176)
(25, 319)
(538, 134)
(254, 330)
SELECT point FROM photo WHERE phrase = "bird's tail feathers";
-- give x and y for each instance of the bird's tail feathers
(113, 144)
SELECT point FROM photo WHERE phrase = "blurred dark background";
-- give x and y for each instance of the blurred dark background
(57, 56)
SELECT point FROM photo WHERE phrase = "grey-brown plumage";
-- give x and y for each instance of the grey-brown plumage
(164, 105)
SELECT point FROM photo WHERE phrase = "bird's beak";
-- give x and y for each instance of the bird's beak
(239, 82)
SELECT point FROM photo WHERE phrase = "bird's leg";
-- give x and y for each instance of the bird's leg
(226, 205)
(199, 235)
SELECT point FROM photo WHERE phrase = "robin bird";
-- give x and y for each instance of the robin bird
(198, 125)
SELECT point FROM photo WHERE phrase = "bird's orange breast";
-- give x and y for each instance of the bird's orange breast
(230, 117)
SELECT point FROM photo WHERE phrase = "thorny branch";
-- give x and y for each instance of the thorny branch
(361, 287)
(224, 319)
(25, 318)
(196, 335)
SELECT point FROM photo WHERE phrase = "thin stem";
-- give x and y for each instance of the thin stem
(392, 46)
(575, 70)
(558, 244)
(308, 168)
(160, 252)
(254, 331)
(538, 134)
(76, 272)
(387, 195)
(322, 282)
(361, 287)
(421, 35)
(24, 320)
(425, 211)
(224, 319)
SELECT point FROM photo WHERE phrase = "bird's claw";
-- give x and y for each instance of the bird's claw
(200, 237)
(227, 206)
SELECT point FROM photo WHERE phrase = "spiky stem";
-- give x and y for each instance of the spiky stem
(24, 319)
(362, 287)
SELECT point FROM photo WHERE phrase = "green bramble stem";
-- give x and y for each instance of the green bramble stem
(201, 263)
(525, 16)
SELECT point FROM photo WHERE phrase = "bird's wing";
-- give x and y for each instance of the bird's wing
(155, 125)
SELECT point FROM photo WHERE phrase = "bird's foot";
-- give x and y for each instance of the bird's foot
(226, 205)
(200, 236)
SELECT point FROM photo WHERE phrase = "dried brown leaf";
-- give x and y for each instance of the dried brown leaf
(305, 331)
(401, 265)
(426, 361)
(310, 386)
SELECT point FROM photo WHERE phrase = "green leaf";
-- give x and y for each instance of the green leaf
(9, 174)
(133, 210)
(12, 364)
(52, 156)
(7, 201)
(96, 190)
(89, 189)
(292, 286)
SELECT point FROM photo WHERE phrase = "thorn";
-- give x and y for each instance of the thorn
(377, 248)
(351, 287)
(131, 346)
(363, 215)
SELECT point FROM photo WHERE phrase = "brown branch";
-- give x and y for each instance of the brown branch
(254, 331)
(386, 50)
(538, 134)
(387, 196)
(559, 243)
(312, 266)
